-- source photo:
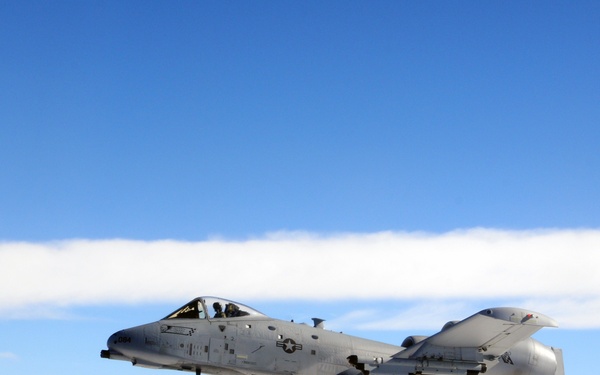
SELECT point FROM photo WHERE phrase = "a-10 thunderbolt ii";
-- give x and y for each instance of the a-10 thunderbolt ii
(217, 336)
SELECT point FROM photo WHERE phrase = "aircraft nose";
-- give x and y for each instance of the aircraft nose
(113, 340)
(136, 342)
(126, 338)
(114, 348)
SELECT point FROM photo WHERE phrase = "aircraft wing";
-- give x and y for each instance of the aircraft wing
(470, 345)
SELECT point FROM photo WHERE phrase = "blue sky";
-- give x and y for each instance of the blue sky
(378, 128)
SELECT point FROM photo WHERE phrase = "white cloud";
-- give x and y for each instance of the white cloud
(556, 269)
(433, 314)
(425, 315)
(8, 355)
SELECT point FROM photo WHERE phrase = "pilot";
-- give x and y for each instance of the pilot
(232, 310)
(218, 310)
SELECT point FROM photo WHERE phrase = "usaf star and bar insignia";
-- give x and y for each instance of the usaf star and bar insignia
(289, 346)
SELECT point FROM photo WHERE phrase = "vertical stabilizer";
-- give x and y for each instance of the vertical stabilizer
(560, 366)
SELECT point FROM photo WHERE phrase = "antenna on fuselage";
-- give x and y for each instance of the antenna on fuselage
(319, 323)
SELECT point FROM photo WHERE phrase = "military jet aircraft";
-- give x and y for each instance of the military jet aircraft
(216, 336)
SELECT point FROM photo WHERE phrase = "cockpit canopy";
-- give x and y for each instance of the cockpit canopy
(213, 308)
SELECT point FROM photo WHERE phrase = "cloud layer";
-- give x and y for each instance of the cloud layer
(554, 269)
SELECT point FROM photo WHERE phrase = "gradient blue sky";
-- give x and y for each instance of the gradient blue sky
(190, 121)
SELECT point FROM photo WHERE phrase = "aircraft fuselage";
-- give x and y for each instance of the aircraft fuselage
(251, 346)
(241, 340)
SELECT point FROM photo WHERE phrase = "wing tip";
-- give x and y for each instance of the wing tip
(517, 315)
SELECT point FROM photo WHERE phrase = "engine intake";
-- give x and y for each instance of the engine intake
(412, 340)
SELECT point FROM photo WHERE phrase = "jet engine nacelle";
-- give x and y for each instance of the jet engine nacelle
(412, 340)
(538, 358)
(450, 324)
